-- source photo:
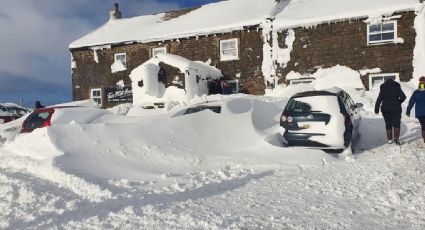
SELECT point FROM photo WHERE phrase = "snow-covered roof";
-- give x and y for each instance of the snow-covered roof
(233, 15)
(313, 12)
(215, 17)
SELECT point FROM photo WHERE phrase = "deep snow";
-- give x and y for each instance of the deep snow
(155, 170)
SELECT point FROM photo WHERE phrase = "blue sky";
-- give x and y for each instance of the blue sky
(35, 34)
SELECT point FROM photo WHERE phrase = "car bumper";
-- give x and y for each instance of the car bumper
(302, 139)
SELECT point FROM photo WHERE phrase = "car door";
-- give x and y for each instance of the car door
(356, 113)
(352, 110)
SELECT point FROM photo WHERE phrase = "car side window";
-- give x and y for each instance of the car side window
(352, 104)
(346, 101)
(215, 109)
(36, 120)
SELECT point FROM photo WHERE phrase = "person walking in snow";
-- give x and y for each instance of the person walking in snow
(418, 100)
(391, 97)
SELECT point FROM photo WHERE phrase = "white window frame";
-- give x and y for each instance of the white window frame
(160, 49)
(121, 54)
(371, 76)
(233, 82)
(96, 97)
(228, 57)
(381, 32)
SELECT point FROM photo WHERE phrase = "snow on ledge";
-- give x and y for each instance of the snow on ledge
(118, 66)
(365, 72)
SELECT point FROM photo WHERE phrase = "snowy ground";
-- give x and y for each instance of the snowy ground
(208, 171)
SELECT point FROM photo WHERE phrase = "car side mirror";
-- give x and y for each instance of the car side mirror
(358, 106)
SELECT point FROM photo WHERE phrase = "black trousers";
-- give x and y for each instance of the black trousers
(422, 121)
(392, 119)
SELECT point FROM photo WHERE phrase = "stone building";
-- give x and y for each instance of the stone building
(255, 43)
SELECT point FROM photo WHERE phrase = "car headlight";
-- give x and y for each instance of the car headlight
(283, 118)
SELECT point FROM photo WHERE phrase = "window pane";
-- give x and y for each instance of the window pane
(375, 28)
(388, 26)
(376, 81)
(298, 106)
(389, 77)
(158, 51)
(229, 52)
(225, 45)
(388, 36)
(98, 101)
(96, 93)
(120, 57)
(375, 37)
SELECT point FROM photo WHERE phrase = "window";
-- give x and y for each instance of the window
(375, 80)
(234, 84)
(382, 33)
(301, 81)
(229, 50)
(96, 95)
(36, 120)
(348, 102)
(215, 109)
(122, 57)
(159, 50)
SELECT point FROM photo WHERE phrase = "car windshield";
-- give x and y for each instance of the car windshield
(215, 109)
(298, 106)
(36, 120)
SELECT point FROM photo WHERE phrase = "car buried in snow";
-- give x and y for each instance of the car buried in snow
(327, 119)
(10, 112)
(58, 115)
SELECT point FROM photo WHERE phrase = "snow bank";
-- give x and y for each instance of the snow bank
(337, 76)
(73, 115)
(151, 148)
(83, 103)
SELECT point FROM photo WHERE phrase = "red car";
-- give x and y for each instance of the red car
(57, 115)
(38, 119)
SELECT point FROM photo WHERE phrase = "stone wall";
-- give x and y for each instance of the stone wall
(345, 43)
(88, 74)
(324, 46)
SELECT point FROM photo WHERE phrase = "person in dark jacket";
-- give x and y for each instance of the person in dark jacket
(418, 99)
(227, 88)
(38, 105)
(391, 97)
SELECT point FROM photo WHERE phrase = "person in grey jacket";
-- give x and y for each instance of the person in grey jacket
(389, 101)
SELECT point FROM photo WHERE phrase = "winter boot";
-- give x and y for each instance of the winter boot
(397, 142)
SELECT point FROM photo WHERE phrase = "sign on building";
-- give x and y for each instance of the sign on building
(119, 94)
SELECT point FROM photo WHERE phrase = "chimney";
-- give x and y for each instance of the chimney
(115, 13)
